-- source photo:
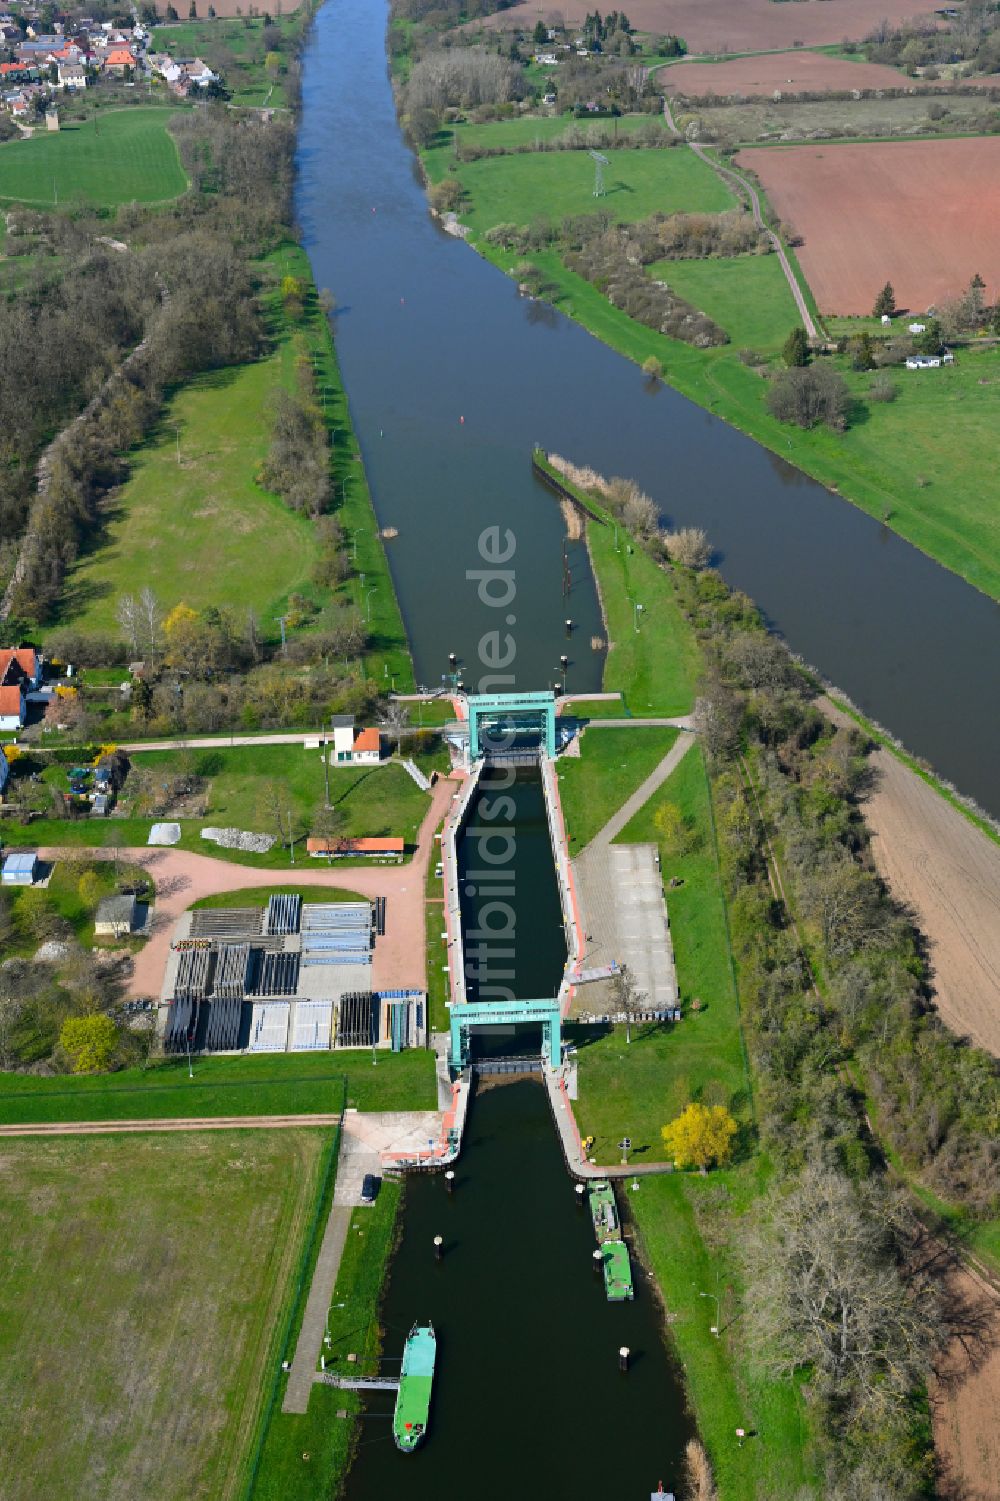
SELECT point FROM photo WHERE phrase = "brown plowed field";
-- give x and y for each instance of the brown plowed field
(732, 25)
(924, 215)
(792, 73)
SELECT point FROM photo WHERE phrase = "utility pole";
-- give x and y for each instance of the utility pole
(291, 841)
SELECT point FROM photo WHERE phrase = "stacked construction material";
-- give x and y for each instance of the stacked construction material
(194, 974)
(182, 1024)
(233, 970)
(282, 914)
(358, 1020)
(227, 922)
(337, 933)
(222, 1033)
(269, 1027)
(313, 1026)
(274, 974)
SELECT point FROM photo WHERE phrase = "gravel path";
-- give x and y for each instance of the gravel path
(182, 1123)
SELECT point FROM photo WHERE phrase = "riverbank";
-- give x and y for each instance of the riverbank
(932, 491)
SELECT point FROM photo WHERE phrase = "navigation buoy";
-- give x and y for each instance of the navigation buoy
(462, 420)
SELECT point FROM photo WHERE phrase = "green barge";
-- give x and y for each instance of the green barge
(616, 1264)
(416, 1380)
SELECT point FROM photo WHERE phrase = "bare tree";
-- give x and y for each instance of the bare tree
(395, 720)
(689, 547)
(629, 1000)
(149, 612)
(128, 618)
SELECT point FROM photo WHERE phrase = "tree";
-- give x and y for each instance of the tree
(627, 999)
(328, 824)
(885, 303)
(672, 828)
(930, 341)
(689, 547)
(863, 355)
(89, 1042)
(128, 619)
(395, 719)
(810, 396)
(88, 889)
(540, 35)
(701, 1135)
(149, 611)
(795, 350)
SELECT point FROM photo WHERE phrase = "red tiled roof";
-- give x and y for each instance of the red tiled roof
(354, 846)
(120, 57)
(26, 658)
(10, 702)
(7, 68)
(367, 740)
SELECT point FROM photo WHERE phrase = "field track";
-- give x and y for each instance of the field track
(729, 25)
(792, 73)
(192, 1123)
(924, 215)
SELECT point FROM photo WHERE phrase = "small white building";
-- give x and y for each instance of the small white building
(353, 747)
(929, 361)
(917, 328)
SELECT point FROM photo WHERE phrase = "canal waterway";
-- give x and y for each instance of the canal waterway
(429, 334)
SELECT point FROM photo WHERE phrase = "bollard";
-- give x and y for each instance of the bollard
(623, 1355)
(569, 625)
(449, 1181)
(580, 1191)
(438, 1247)
(598, 1260)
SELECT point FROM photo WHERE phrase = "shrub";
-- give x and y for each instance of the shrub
(883, 388)
(795, 350)
(689, 547)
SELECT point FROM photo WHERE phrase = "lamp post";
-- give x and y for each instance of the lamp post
(636, 612)
(368, 602)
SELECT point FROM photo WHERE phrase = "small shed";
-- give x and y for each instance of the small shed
(115, 917)
(19, 869)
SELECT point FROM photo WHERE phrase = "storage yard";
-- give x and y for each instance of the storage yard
(285, 977)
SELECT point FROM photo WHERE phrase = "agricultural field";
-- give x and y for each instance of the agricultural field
(921, 214)
(746, 295)
(519, 189)
(120, 156)
(733, 25)
(139, 1340)
(793, 73)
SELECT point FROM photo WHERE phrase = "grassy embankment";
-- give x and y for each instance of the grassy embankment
(438, 991)
(923, 463)
(127, 1316)
(124, 156)
(305, 1456)
(689, 1226)
(170, 516)
(62, 894)
(280, 1084)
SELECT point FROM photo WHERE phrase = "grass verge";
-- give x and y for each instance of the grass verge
(611, 765)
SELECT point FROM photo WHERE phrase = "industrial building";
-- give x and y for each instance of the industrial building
(288, 977)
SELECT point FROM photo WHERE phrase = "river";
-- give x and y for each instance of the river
(428, 333)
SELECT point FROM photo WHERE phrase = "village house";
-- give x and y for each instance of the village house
(198, 73)
(20, 674)
(115, 917)
(350, 748)
(72, 76)
(119, 59)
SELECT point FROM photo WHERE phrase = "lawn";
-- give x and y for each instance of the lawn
(518, 189)
(509, 134)
(745, 295)
(611, 765)
(192, 522)
(375, 800)
(280, 1084)
(655, 667)
(236, 49)
(284, 1472)
(638, 1087)
(120, 156)
(63, 895)
(139, 1336)
(199, 529)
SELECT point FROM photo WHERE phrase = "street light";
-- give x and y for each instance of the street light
(368, 602)
(718, 1314)
(637, 610)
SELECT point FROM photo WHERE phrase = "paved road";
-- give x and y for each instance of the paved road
(222, 742)
(310, 1340)
(183, 1123)
(744, 186)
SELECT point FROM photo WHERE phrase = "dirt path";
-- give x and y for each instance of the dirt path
(182, 1123)
(183, 877)
(965, 1397)
(948, 872)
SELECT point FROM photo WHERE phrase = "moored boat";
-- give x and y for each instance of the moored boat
(615, 1261)
(604, 1210)
(416, 1379)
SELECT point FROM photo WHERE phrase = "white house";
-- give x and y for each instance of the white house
(72, 76)
(353, 748)
(929, 361)
(199, 73)
(917, 328)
